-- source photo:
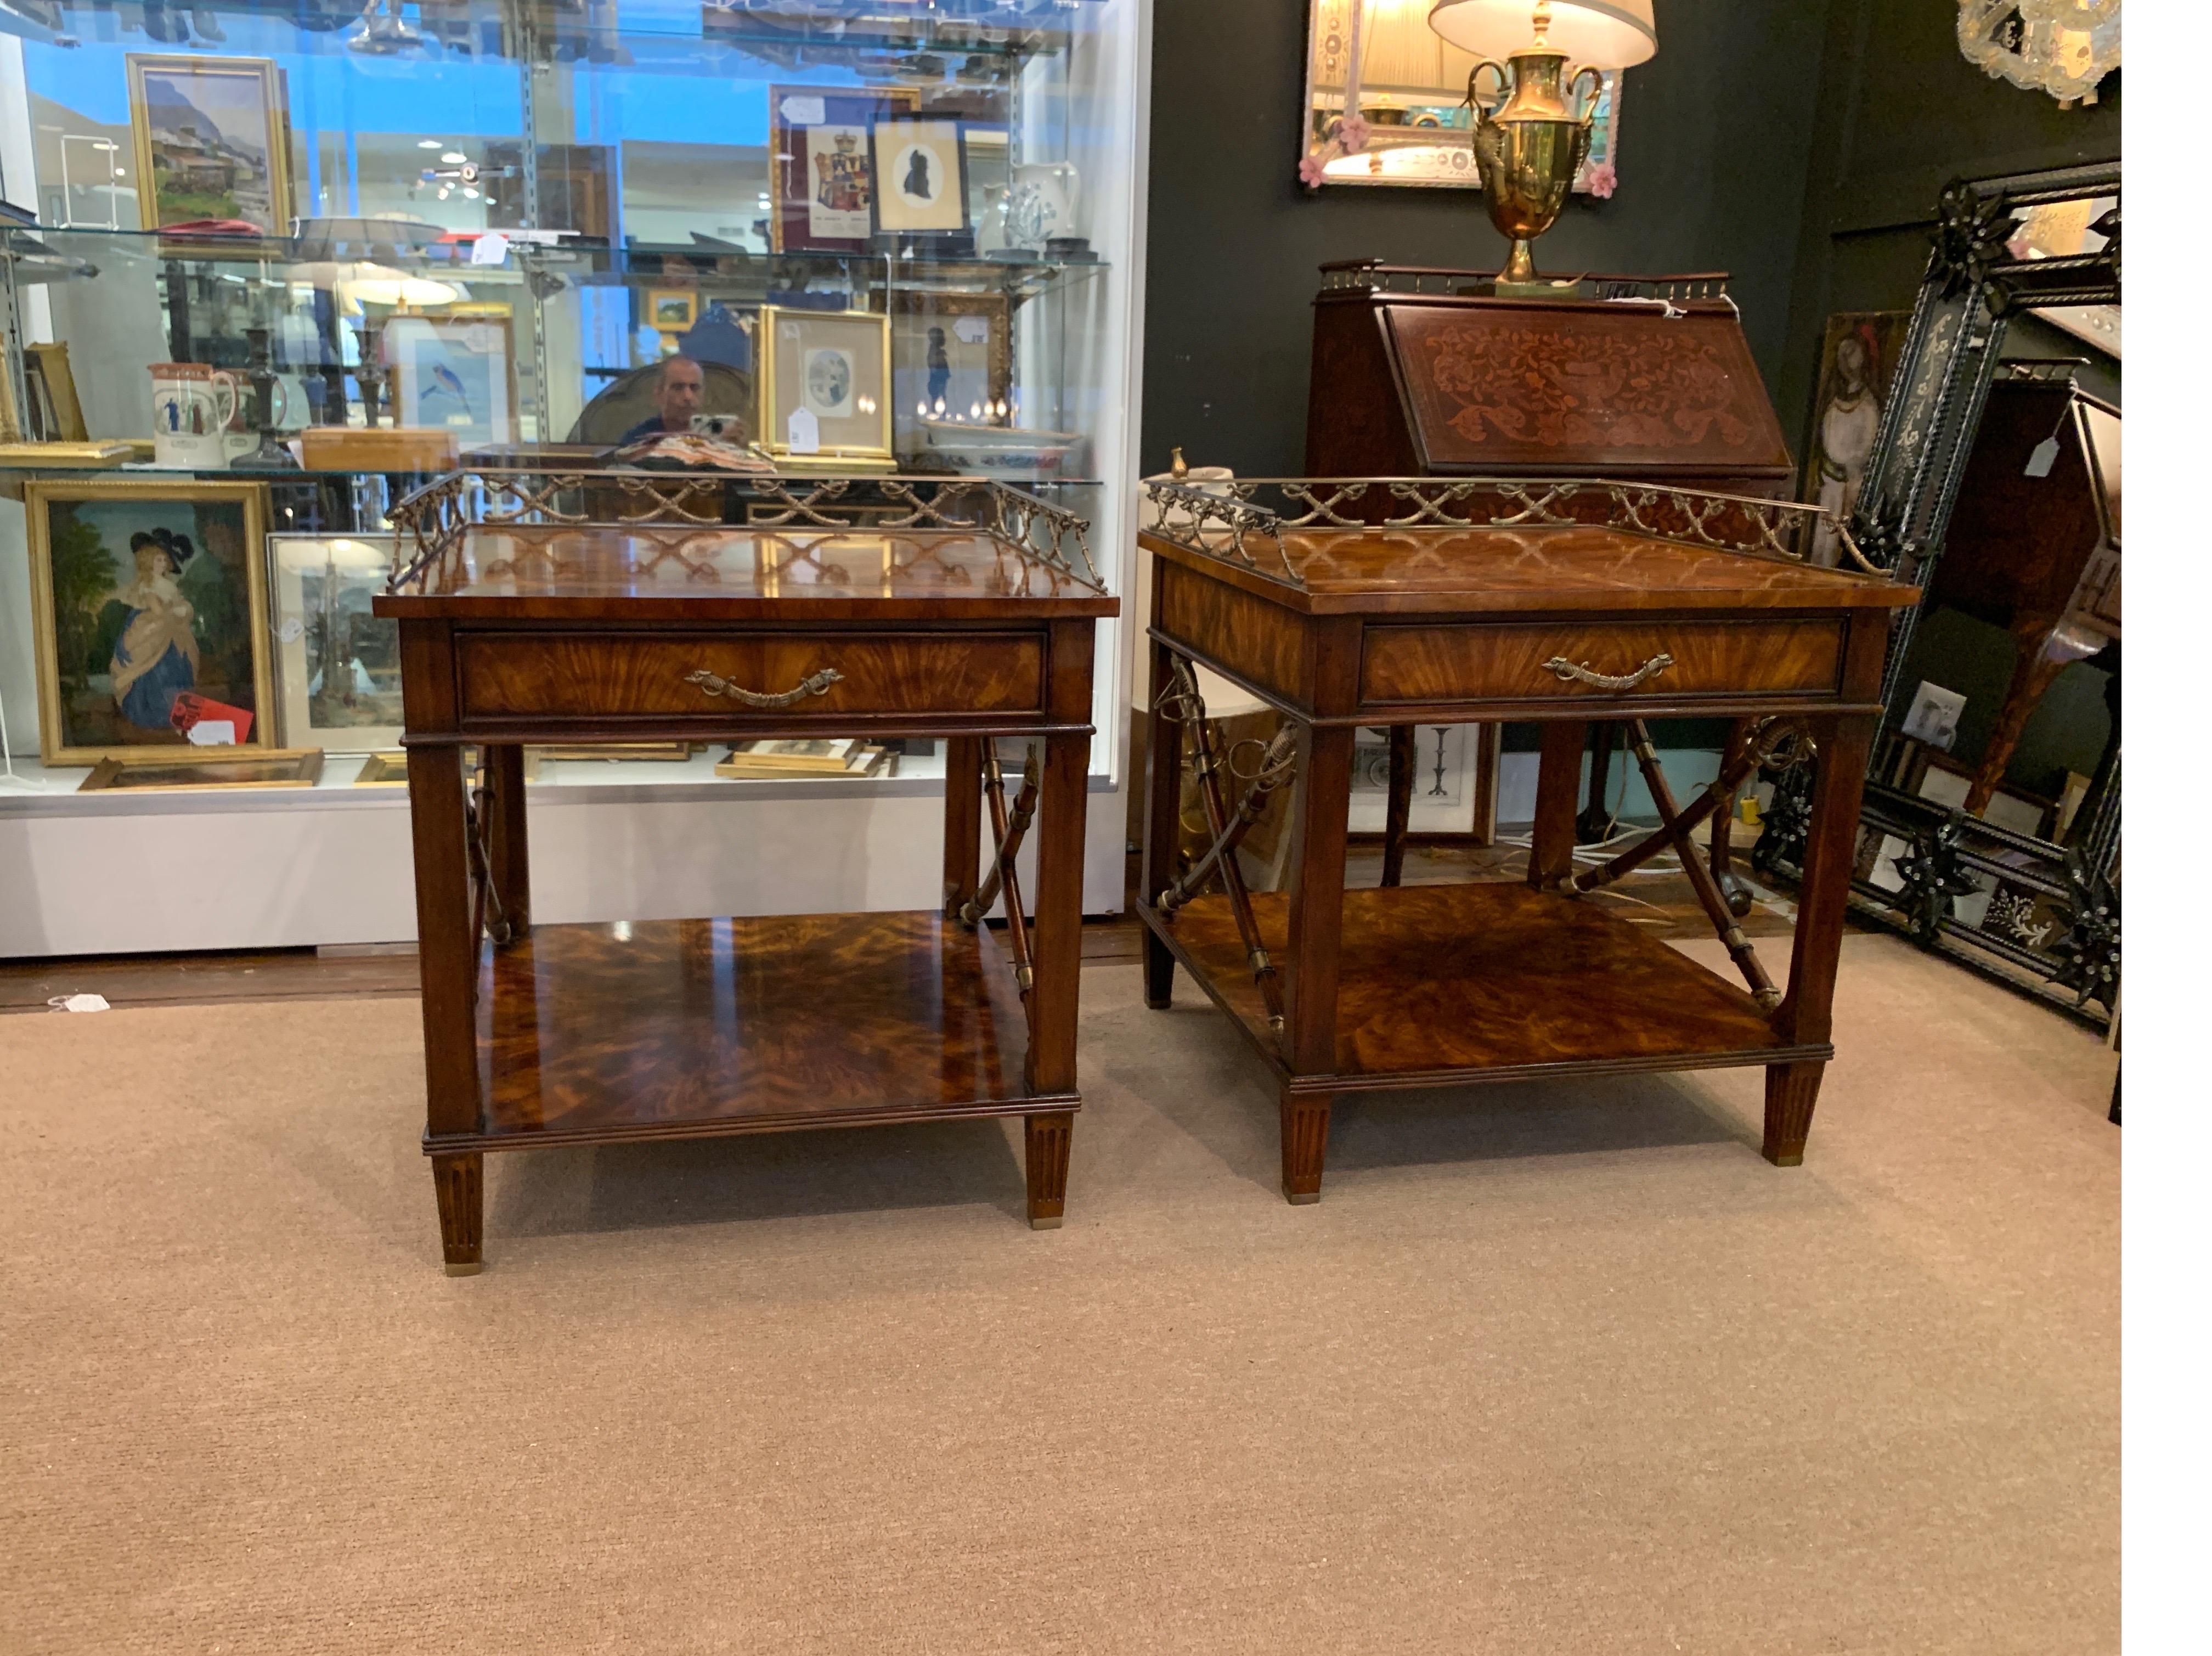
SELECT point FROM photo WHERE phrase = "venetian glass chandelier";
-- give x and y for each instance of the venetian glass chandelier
(2063, 47)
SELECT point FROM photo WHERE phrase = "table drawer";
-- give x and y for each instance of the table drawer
(719, 677)
(1650, 660)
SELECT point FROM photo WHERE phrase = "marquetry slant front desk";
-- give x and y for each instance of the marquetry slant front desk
(1394, 602)
(714, 610)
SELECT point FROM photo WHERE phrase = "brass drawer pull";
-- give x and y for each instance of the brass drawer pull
(1582, 675)
(816, 684)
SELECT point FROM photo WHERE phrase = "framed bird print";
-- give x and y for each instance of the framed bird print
(454, 374)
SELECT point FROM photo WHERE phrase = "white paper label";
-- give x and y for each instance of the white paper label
(2045, 456)
(805, 433)
(213, 733)
(804, 112)
(79, 1003)
(970, 330)
(491, 249)
(291, 632)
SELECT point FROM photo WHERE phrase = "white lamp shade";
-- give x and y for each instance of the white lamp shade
(1604, 33)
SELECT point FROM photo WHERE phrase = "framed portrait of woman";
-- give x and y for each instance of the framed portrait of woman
(150, 614)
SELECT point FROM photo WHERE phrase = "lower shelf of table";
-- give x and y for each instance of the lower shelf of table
(692, 1028)
(1442, 985)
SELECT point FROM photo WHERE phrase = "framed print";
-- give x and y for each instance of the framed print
(454, 374)
(921, 172)
(821, 180)
(150, 614)
(824, 383)
(671, 310)
(338, 663)
(212, 140)
(951, 356)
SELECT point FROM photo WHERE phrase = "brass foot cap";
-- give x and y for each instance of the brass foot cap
(1795, 1159)
(1045, 1221)
(463, 1268)
(1300, 1198)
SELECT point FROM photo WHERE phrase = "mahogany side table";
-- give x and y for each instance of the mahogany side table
(956, 609)
(1391, 602)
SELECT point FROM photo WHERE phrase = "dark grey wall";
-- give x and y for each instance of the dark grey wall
(1900, 113)
(1715, 142)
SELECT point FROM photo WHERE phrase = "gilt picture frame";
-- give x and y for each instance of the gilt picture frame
(149, 617)
(212, 140)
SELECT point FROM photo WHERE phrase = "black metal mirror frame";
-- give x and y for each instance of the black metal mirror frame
(1973, 287)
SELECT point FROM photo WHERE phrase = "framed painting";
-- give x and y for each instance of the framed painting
(821, 170)
(951, 356)
(150, 609)
(338, 663)
(824, 383)
(1858, 363)
(454, 374)
(920, 165)
(212, 141)
(672, 310)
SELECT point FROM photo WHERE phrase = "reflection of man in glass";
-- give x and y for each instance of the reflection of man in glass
(678, 390)
(156, 654)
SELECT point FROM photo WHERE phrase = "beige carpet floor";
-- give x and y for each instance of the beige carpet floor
(1550, 1369)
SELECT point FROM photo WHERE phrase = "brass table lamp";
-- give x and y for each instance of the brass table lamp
(1532, 137)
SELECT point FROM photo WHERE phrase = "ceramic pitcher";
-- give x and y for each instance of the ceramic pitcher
(192, 404)
(1042, 203)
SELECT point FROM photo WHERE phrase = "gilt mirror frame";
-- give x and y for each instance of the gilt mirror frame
(2052, 926)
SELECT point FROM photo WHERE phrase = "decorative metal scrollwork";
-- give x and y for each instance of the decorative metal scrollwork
(1559, 667)
(1933, 876)
(815, 684)
(2090, 950)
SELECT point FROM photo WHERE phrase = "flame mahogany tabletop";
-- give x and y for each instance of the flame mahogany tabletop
(610, 1033)
(1341, 628)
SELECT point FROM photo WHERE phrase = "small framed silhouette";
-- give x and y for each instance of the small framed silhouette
(922, 176)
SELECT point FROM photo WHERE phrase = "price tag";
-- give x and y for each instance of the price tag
(491, 249)
(213, 733)
(2045, 456)
(806, 432)
(804, 112)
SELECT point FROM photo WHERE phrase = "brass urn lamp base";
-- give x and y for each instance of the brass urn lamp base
(1531, 137)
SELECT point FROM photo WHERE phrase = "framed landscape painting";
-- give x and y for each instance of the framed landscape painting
(212, 141)
(150, 611)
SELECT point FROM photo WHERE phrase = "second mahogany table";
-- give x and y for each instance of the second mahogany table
(1345, 603)
(956, 609)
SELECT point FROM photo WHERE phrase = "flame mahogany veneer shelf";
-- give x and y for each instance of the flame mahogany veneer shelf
(599, 634)
(686, 1028)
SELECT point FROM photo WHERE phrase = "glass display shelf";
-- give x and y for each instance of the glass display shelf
(883, 35)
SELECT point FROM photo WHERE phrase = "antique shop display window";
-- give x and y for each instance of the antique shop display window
(328, 254)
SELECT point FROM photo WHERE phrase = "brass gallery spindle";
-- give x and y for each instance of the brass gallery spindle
(1677, 827)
